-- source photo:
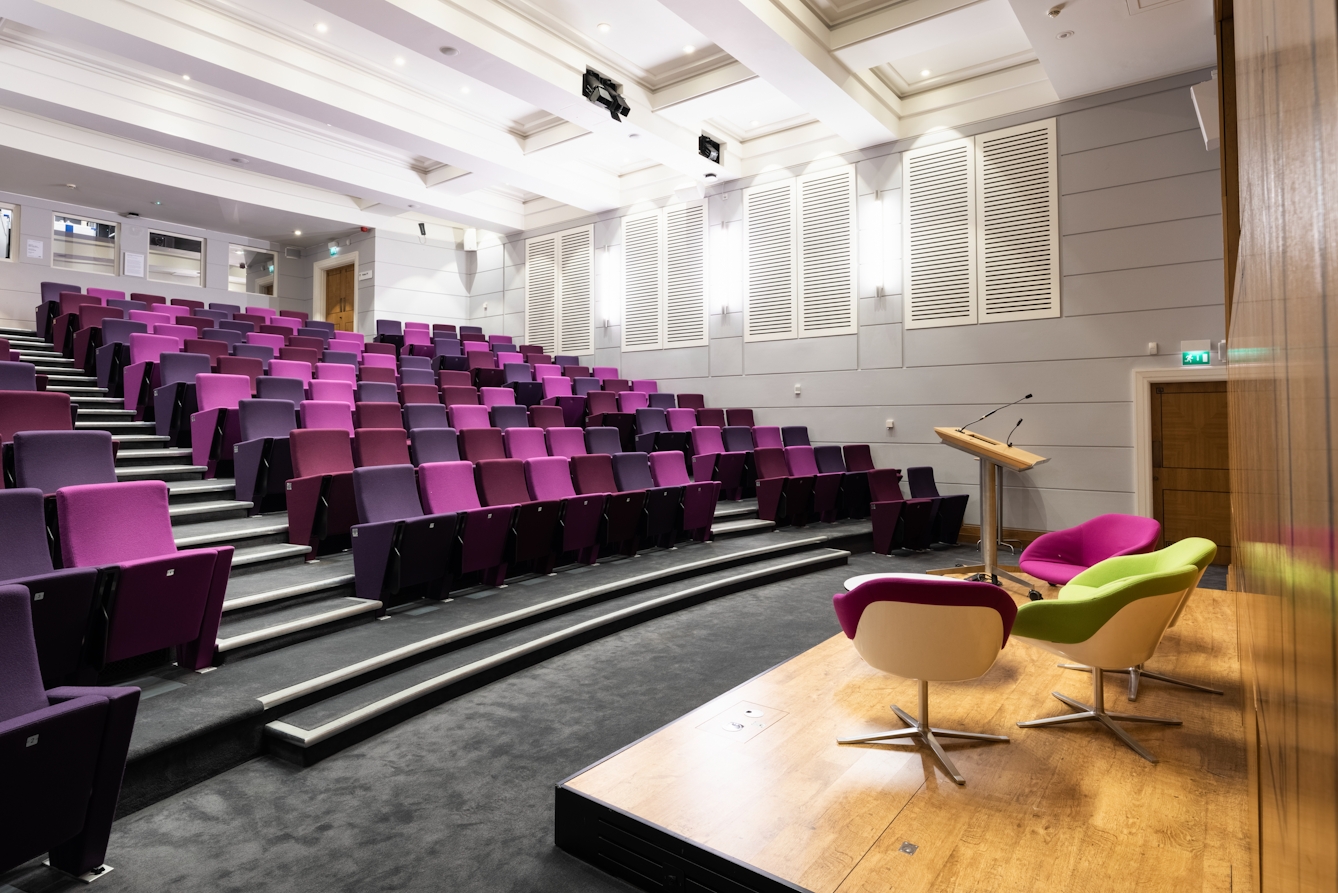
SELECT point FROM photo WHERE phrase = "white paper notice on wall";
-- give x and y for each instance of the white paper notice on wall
(364, 275)
(35, 249)
(132, 264)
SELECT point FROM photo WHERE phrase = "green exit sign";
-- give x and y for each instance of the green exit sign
(1195, 358)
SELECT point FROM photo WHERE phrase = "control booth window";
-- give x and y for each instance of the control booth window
(88, 246)
(176, 259)
(251, 270)
(6, 232)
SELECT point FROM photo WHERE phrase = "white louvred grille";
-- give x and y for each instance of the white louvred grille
(576, 291)
(939, 200)
(1019, 234)
(643, 281)
(769, 276)
(827, 269)
(685, 275)
(541, 293)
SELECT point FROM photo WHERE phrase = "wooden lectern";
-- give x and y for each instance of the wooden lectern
(992, 454)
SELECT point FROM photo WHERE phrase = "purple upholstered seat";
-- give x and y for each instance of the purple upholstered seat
(433, 445)
(528, 393)
(950, 510)
(524, 442)
(795, 435)
(699, 498)
(399, 552)
(448, 487)
(62, 599)
(49, 460)
(897, 522)
(114, 354)
(65, 754)
(781, 496)
(582, 386)
(712, 462)
(377, 392)
(566, 442)
(663, 506)
(504, 416)
(1059, 556)
(227, 336)
(18, 376)
(342, 357)
(214, 429)
(826, 486)
(853, 501)
(418, 377)
(602, 440)
(163, 597)
(261, 460)
(392, 327)
(593, 474)
(534, 530)
(517, 372)
(321, 510)
(652, 431)
(667, 401)
(549, 479)
(425, 415)
(291, 389)
(174, 400)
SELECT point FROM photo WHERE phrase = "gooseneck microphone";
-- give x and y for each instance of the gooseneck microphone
(1009, 438)
(962, 430)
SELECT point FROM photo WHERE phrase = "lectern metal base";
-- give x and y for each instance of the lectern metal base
(979, 573)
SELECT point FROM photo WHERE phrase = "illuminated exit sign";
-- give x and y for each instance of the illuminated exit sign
(1196, 353)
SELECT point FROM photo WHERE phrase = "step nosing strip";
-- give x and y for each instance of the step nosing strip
(295, 626)
(274, 595)
(282, 696)
(308, 737)
(230, 535)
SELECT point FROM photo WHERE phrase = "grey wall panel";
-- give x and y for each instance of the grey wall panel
(1197, 284)
(1135, 119)
(880, 311)
(607, 336)
(681, 362)
(513, 299)
(607, 356)
(726, 325)
(1172, 242)
(1172, 198)
(879, 347)
(726, 357)
(1171, 155)
(806, 355)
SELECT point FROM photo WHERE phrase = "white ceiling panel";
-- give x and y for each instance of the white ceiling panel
(742, 110)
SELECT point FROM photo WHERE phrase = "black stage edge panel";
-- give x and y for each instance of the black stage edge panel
(648, 856)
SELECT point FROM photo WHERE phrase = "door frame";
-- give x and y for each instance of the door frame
(318, 284)
(1143, 381)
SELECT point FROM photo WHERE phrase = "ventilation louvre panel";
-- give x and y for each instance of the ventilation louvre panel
(1019, 233)
(685, 323)
(643, 278)
(541, 293)
(769, 262)
(576, 291)
(827, 265)
(939, 233)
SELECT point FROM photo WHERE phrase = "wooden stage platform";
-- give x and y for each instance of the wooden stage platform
(751, 791)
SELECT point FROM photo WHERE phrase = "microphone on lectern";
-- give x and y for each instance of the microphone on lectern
(1009, 438)
(962, 430)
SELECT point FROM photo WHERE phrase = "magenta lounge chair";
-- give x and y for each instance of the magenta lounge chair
(154, 595)
(400, 553)
(1059, 556)
(65, 754)
(448, 487)
(549, 479)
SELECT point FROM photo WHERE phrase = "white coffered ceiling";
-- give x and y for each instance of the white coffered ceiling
(469, 112)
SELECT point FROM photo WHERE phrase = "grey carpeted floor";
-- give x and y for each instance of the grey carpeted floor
(461, 798)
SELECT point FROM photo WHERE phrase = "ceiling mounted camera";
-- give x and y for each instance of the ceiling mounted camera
(605, 93)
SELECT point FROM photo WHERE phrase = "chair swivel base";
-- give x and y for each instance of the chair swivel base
(923, 732)
(1138, 673)
(1096, 712)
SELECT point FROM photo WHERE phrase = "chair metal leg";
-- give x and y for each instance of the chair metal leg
(1148, 674)
(921, 730)
(1135, 674)
(1138, 673)
(1097, 712)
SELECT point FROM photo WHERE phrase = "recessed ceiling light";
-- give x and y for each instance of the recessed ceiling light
(399, 60)
(689, 49)
(449, 51)
(70, 186)
(241, 161)
(185, 77)
(1063, 35)
(297, 232)
(464, 89)
(413, 206)
(157, 203)
(754, 123)
(322, 27)
(627, 161)
(925, 73)
(604, 27)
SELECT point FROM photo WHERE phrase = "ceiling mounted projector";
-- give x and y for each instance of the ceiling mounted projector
(604, 92)
(708, 148)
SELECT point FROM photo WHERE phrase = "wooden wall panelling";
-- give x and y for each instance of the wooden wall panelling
(1283, 396)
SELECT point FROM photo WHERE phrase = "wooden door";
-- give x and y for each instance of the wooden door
(339, 297)
(1191, 479)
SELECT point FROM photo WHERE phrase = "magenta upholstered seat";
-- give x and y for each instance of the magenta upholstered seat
(380, 446)
(140, 377)
(321, 509)
(327, 414)
(215, 428)
(524, 443)
(151, 317)
(465, 416)
(180, 333)
(378, 360)
(261, 461)
(356, 337)
(603, 372)
(711, 462)
(556, 386)
(767, 436)
(339, 371)
(681, 419)
(897, 522)
(164, 597)
(662, 517)
(49, 460)
(547, 417)
(274, 342)
(826, 487)
(326, 389)
(382, 415)
(645, 385)
(449, 487)
(1061, 555)
(262, 311)
(631, 401)
(34, 411)
(286, 322)
(252, 367)
(399, 552)
(497, 396)
(950, 510)
(930, 629)
(425, 415)
(546, 370)
(481, 359)
(699, 498)
(291, 369)
(593, 474)
(549, 479)
(566, 442)
(477, 444)
(781, 497)
(535, 523)
(459, 395)
(65, 753)
(433, 445)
